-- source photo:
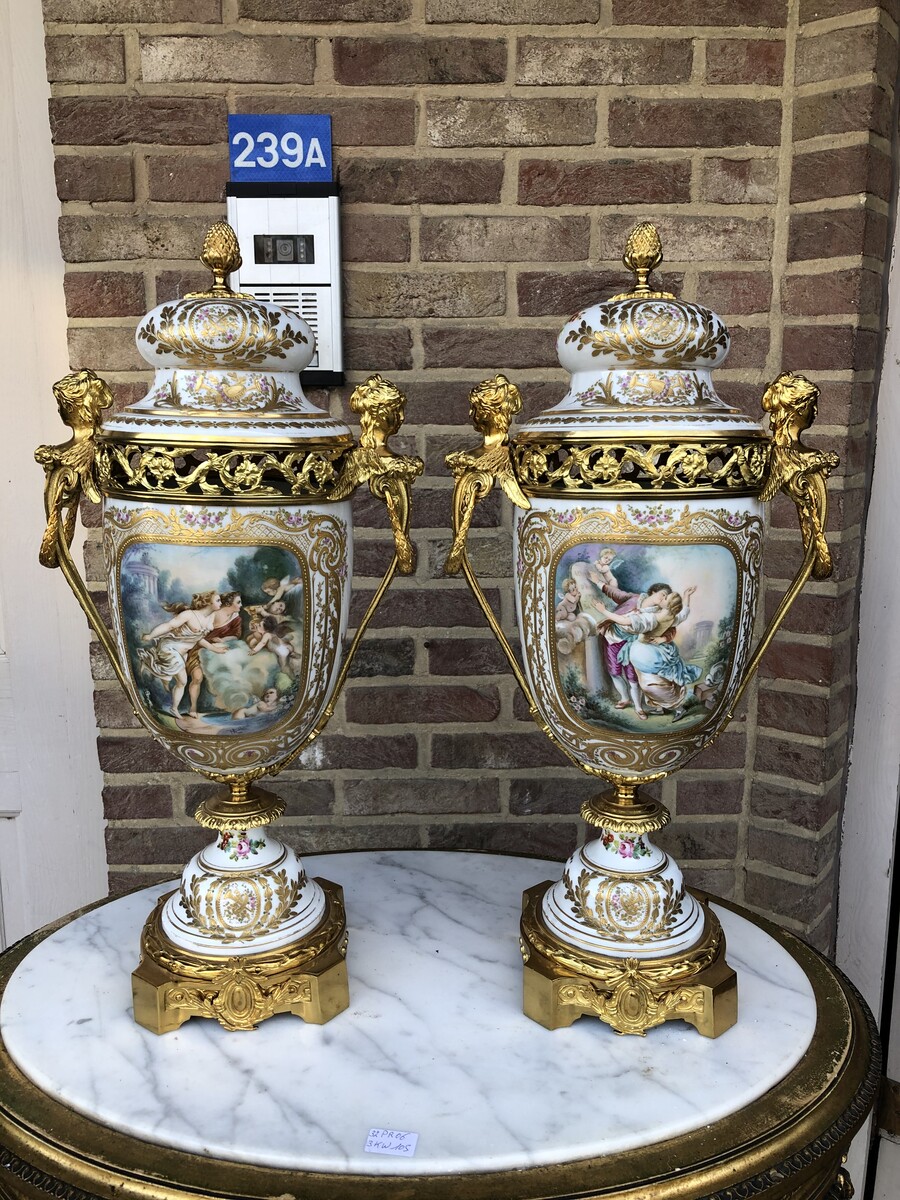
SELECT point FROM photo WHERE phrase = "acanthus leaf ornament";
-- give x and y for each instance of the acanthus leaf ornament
(639, 533)
(227, 537)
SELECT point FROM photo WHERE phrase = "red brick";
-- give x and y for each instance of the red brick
(113, 711)
(555, 293)
(728, 750)
(154, 120)
(306, 797)
(379, 122)
(382, 656)
(841, 52)
(336, 751)
(466, 656)
(104, 348)
(505, 239)
(85, 59)
(512, 348)
(228, 58)
(770, 13)
(420, 180)
(843, 110)
(145, 11)
(333, 838)
(745, 60)
(494, 751)
(542, 840)
(187, 180)
(172, 285)
(818, 10)
(787, 899)
(554, 122)
(749, 346)
(808, 664)
(372, 348)
(846, 171)
(407, 294)
(435, 608)
(618, 181)
(542, 796)
(712, 881)
(777, 802)
(157, 844)
(709, 797)
(401, 61)
(800, 855)
(106, 237)
(846, 231)
(822, 347)
(709, 840)
(324, 10)
(133, 755)
(369, 238)
(94, 177)
(739, 180)
(735, 292)
(793, 713)
(423, 704)
(380, 797)
(850, 291)
(104, 294)
(695, 239)
(639, 122)
(514, 12)
(137, 800)
(490, 557)
(598, 62)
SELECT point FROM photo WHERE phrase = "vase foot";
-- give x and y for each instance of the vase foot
(307, 978)
(630, 994)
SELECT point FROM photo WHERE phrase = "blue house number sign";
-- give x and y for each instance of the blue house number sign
(285, 148)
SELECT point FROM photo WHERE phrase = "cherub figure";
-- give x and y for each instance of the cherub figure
(268, 702)
(492, 406)
(791, 402)
(81, 398)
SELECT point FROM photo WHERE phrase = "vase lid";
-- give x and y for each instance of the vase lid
(227, 366)
(641, 363)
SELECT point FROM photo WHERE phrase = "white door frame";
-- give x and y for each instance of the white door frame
(52, 856)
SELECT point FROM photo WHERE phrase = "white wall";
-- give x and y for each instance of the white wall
(52, 856)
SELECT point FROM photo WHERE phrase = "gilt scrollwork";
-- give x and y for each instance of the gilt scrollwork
(137, 469)
(601, 467)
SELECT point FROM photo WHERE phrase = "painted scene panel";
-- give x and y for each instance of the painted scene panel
(644, 634)
(215, 634)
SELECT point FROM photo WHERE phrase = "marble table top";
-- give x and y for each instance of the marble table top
(434, 1042)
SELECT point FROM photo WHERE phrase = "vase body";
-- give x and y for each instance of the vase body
(237, 688)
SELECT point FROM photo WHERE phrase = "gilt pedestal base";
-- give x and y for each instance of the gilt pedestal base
(631, 995)
(307, 978)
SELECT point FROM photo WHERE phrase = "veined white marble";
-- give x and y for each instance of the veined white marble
(434, 1041)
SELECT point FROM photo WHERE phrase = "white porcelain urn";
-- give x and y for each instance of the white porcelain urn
(228, 540)
(638, 554)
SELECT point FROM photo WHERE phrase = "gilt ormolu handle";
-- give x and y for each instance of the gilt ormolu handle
(71, 473)
(791, 402)
(380, 406)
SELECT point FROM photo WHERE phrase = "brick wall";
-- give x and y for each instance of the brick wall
(493, 156)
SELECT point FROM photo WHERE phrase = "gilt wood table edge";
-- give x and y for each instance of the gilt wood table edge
(788, 1143)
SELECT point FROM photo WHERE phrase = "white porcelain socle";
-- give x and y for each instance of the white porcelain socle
(434, 1041)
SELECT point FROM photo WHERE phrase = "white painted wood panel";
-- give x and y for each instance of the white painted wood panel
(51, 855)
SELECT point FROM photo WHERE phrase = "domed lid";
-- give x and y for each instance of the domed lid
(227, 366)
(641, 363)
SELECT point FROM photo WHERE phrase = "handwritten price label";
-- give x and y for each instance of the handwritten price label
(391, 1141)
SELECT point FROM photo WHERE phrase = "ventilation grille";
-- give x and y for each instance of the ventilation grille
(295, 300)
